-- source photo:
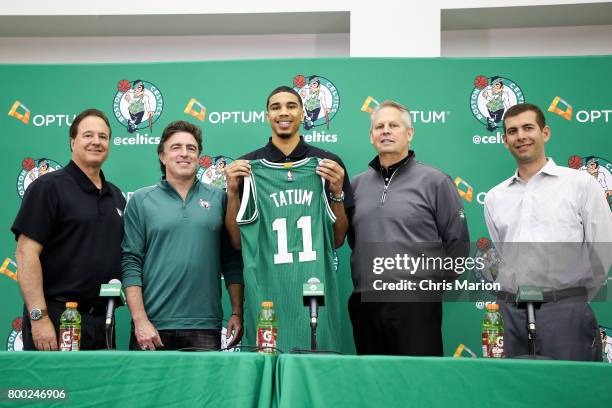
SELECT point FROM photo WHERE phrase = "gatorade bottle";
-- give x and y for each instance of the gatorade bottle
(492, 332)
(70, 328)
(266, 329)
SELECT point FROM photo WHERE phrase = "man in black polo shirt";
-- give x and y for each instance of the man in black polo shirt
(69, 230)
(285, 113)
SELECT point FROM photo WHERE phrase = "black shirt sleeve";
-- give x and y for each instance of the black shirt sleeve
(349, 202)
(231, 259)
(38, 213)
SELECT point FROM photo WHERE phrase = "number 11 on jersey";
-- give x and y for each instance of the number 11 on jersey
(284, 256)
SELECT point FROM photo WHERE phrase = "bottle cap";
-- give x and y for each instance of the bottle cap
(71, 305)
(267, 304)
(492, 306)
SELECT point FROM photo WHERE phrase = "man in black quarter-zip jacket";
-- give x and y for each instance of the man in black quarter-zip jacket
(408, 220)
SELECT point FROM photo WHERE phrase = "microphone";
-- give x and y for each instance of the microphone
(112, 290)
(530, 298)
(313, 294)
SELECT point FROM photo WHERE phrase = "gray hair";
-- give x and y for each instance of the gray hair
(392, 104)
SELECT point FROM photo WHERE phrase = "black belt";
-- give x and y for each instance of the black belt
(548, 296)
(89, 308)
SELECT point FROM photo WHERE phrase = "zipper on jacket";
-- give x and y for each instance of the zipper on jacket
(384, 194)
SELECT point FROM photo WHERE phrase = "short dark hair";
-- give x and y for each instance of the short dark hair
(284, 88)
(525, 107)
(74, 127)
(175, 127)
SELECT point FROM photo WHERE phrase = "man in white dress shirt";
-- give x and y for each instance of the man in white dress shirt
(553, 229)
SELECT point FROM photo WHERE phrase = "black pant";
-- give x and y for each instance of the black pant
(565, 330)
(198, 340)
(93, 336)
(396, 328)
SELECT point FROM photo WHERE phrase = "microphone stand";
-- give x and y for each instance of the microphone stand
(313, 323)
(531, 329)
(109, 333)
(313, 297)
(530, 298)
(112, 291)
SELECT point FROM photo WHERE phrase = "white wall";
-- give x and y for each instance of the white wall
(166, 48)
(543, 41)
(526, 29)
(385, 28)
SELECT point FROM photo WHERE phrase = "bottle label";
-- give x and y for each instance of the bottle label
(497, 346)
(266, 339)
(485, 345)
(70, 339)
(493, 344)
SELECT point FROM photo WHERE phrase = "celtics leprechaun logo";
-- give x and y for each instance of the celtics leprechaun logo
(14, 342)
(31, 169)
(320, 99)
(137, 104)
(597, 167)
(606, 343)
(491, 97)
(227, 339)
(491, 260)
(212, 170)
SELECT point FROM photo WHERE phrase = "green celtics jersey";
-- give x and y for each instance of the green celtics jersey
(286, 227)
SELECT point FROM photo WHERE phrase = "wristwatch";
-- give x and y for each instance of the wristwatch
(335, 199)
(37, 314)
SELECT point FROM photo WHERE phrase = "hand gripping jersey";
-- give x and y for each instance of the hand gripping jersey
(286, 227)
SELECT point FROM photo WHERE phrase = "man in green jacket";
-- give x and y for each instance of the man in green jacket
(175, 250)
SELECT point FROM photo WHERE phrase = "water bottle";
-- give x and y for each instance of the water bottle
(492, 332)
(267, 329)
(70, 328)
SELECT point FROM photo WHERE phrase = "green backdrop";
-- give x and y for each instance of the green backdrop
(447, 98)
